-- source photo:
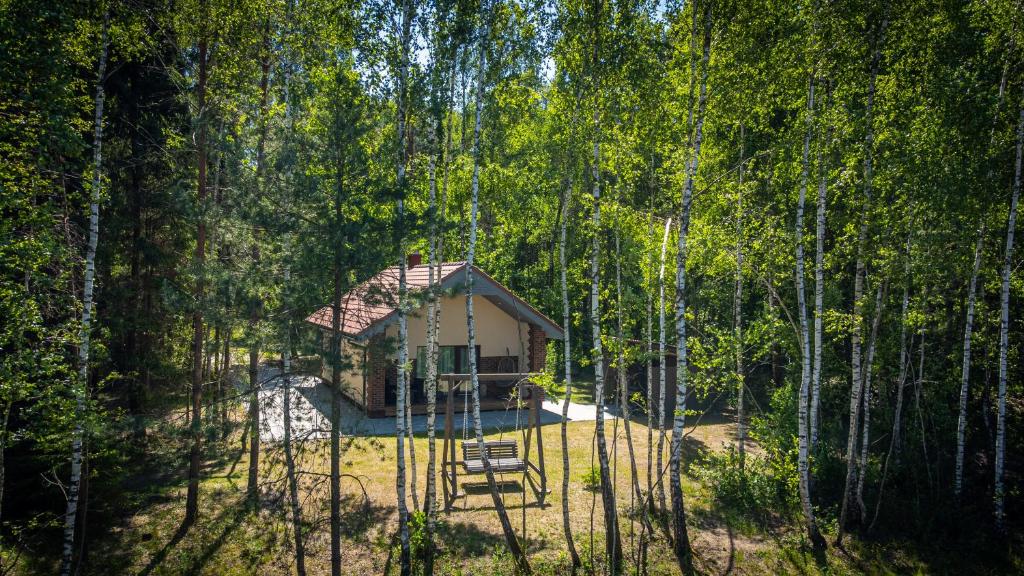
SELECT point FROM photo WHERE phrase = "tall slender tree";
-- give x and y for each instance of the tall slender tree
(81, 386)
(1004, 332)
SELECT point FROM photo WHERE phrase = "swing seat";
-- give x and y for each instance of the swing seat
(502, 454)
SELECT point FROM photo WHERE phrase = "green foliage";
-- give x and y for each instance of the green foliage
(760, 490)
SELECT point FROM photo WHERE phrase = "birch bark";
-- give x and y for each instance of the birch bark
(662, 375)
(894, 438)
(499, 506)
(858, 292)
(803, 433)
(574, 556)
(867, 372)
(737, 311)
(82, 384)
(681, 538)
(401, 413)
(819, 286)
(1004, 329)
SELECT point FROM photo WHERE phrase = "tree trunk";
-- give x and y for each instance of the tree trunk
(252, 485)
(819, 287)
(286, 366)
(1004, 328)
(401, 414)
(574, 556)
(81, 385)
(961, 427)
(613, 544)
(803, 434)
(858, 293)
(252, 489)
(192, 496)
(681, 538)
(499, 506)
(737, 315)
(634, 478)
(866, 372)
(894, 438)
(662, 375)
(337, 320)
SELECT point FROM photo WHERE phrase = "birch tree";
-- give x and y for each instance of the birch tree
(574, 556)
(867, 371)
(662, 375)
(402, 388)
(819, 280)
(85, 334)
(737, 314)
(803, 434)
(680, 536)
(857, 388)
(511, 541)
(965, 374)
(1004, 329)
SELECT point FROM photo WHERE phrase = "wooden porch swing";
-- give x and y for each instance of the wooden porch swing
(503, 455)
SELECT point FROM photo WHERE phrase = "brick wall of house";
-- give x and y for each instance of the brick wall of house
(538, 351)
(376, 374)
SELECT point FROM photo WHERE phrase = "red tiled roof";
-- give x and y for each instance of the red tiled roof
(377, 298)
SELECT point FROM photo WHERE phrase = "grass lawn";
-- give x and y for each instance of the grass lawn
(229, 538)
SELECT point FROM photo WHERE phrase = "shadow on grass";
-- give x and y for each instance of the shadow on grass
(461, 539)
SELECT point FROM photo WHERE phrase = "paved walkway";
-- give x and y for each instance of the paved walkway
(311, 407)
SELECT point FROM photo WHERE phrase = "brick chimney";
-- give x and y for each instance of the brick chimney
(413, 260)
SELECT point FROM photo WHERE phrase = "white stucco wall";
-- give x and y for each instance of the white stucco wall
(496, 331)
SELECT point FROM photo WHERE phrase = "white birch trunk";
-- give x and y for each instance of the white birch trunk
(574, 556)
(510, 537)
(662, 376)
(894, 438)
(403, 329)
(1004, 328)
(613, 544)
(803, 434)
(82, 383)
(680, 536)
(866, 408)
(856, 388)
(819, 292)
(965, 374)
(737, 316)
(622, 369)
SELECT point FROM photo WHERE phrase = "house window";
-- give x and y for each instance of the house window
(450, 360)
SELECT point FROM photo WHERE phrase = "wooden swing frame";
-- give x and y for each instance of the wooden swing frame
(533, 395)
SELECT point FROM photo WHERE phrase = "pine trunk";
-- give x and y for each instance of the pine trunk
(1004, 328)
(192, 496)
(81, 385)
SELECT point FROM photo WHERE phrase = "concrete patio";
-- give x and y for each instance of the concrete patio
(311, 406)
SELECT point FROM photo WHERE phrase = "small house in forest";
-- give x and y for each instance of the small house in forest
(511, 338)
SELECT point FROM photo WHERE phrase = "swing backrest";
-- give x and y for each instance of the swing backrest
(496, 449)
(502, 454)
